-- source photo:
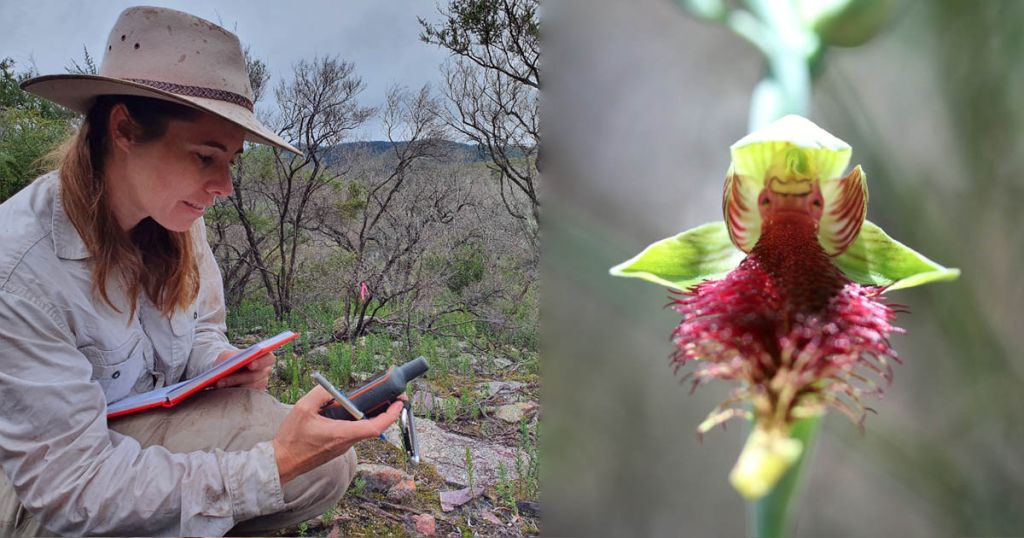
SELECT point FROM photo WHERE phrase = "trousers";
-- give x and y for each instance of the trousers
(231, 419)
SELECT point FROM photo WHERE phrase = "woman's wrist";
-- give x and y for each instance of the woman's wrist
(285, 464)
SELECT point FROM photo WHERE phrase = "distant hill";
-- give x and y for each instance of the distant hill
(460, 152)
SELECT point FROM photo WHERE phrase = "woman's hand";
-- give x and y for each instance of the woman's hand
(255, 375)
(307, 440)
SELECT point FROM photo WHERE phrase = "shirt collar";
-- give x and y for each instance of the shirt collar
(67, 243)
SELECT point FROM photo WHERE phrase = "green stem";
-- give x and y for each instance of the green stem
(774, 27)
(769, 516)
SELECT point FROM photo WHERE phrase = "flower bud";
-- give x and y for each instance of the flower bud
(846, 23)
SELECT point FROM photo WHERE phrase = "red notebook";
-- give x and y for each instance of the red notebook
(172, 394)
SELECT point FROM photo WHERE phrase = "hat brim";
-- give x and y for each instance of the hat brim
(79, 92)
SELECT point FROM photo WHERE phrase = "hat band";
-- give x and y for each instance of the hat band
(196, 91)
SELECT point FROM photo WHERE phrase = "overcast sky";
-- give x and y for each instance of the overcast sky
(380, 37)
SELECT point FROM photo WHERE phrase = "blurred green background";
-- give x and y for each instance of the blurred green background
(641, 103)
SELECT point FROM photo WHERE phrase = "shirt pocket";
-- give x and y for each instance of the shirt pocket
(183, 324)
(183, 332)
(118, 370)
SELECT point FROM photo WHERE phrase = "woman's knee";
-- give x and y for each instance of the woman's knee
(324, 486)
(307, 496)
(339, 472)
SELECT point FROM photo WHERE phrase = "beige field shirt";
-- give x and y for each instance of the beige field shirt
(64, 355)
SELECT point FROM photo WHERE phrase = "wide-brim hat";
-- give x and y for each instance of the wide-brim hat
(170, 55)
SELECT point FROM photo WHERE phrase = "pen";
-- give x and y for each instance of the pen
(338, 396)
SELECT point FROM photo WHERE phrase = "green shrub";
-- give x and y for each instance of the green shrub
(467, 267)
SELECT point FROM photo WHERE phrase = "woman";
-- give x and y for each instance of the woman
(109, 288)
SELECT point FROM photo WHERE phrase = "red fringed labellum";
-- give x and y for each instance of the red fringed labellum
(789, 325)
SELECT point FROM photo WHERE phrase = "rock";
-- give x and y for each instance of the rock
(248, 340)
(380, 477)
(495, 387)
(513, 413)
(360, 377)
(446, 451)
(450, 500)
(528, 508)
(402, 491)
(425, 524)
(489, 517)
(340, 326)
(423, 402)
(318, 351)
(502, 363)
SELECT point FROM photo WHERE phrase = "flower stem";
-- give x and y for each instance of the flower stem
(786, 89)
(769, 516)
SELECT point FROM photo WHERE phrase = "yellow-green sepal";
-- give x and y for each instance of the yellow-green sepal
(876, 259)
(791, 147)
(681, 261)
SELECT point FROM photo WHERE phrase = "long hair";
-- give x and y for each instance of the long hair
(149, 257)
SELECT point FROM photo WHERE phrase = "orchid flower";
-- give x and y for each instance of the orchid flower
(785, 295)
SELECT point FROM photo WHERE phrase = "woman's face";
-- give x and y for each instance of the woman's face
(175, 178)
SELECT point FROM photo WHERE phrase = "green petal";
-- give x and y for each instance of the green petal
(698, 254)
(875, 258)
